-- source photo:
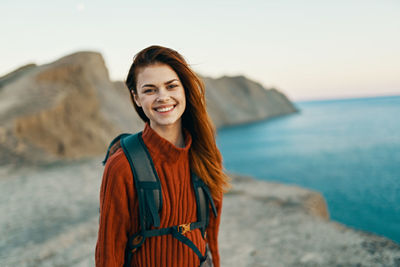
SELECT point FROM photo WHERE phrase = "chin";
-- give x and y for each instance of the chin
(166, 122)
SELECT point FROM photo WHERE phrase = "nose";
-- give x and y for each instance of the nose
(163, 95)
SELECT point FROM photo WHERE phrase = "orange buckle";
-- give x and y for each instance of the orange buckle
(184, 228)
(137, 240)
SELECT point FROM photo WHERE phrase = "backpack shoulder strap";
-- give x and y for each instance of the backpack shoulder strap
(203, 201)
(146, 180)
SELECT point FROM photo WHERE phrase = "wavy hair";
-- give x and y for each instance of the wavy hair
(204, 156)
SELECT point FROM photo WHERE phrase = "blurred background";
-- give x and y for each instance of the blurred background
(303, 94)
(311, 50)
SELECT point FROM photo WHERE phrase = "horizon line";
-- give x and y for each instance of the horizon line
(333, 98)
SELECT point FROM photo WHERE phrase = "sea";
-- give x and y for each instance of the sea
(346, 149)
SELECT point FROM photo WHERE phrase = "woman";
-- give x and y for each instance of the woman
(180, 138)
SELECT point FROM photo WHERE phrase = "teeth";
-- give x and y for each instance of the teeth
(165, 109)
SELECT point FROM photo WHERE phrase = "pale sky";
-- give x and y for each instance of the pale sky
(306, 49)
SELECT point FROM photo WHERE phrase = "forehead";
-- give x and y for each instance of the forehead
(156, 74)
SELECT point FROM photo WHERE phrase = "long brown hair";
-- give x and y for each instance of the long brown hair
(204, 156)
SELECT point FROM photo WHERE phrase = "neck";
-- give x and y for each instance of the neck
(172, 133)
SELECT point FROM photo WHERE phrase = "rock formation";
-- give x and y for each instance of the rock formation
(234, 100)
(54, 111)
(69, 109)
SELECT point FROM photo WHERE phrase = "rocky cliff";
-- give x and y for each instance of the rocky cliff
(56, 110)
(234, 100)
(69, 109)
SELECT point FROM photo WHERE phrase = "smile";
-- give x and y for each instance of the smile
(164, 109)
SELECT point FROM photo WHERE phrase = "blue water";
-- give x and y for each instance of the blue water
(349, 150)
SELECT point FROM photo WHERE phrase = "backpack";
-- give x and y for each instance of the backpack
(149, 194)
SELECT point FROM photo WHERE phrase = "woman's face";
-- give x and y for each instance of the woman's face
(161, 95)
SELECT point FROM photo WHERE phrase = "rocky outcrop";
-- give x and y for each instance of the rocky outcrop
(52, 220)
(69, 109)
(235, 100)
(16, 74)
(285, 196)
(271, 224)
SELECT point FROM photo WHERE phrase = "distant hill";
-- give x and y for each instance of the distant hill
(234, 100)
(69, 109)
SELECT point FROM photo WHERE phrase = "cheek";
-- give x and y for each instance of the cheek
(183, 100)
(182, 96)
(147, 102)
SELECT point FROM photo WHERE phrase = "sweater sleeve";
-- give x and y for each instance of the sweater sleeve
(114, 221)
(212, 232)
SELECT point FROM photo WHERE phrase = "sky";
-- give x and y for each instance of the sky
(306, 49)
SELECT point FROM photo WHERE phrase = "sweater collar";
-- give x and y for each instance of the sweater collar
(160, 147)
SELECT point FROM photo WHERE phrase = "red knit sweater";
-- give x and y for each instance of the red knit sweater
(119, 210)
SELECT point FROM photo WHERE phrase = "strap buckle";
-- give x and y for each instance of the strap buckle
(136, 241)
(184, 228)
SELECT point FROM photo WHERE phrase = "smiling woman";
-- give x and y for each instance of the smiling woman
(179, 140)
(161, 96)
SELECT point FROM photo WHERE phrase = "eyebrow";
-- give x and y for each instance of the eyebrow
(152, 85)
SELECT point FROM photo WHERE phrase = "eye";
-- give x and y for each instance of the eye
(172, 86)
(148, 91)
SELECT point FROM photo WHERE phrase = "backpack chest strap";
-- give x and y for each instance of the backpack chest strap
(178, 232)
(182, 229)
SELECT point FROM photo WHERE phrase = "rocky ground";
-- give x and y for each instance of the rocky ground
(49, 217)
